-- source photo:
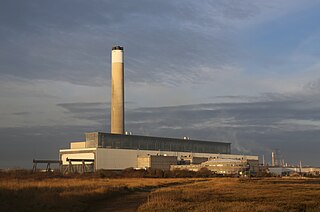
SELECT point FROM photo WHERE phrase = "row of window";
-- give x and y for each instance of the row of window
(148, 144)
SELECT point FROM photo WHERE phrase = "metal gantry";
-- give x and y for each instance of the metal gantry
(48, 162)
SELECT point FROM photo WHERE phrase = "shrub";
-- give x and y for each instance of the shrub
(204, 172)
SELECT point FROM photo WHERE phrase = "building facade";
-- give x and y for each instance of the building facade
(117, 152)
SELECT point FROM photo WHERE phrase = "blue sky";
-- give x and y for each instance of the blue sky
(246, 72)
(281, 38)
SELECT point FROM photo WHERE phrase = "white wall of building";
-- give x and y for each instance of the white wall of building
(125, 158)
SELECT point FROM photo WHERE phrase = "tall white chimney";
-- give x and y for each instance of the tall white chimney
(117, 101)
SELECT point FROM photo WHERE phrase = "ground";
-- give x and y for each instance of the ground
(232, 194)
(150, 194)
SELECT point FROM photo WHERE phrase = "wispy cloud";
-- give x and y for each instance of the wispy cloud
(239, 71)
(44, 41)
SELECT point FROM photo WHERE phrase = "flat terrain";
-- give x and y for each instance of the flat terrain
(77, 194)
(150, 194)
(231, 194)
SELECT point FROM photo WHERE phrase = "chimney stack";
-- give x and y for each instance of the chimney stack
(117, 101)
(273, 162)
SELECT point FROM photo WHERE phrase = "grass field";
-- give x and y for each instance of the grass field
(231, 194)
(75, 194)
(184, 194)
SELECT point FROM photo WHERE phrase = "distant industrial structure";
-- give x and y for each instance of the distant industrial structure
(224, 166)
(278, 167)
(118, 150)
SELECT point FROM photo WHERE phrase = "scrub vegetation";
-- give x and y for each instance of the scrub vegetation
(22, 191)
(232, 194)
(46, 192)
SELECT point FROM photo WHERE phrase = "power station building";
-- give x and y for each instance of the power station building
(116, 150)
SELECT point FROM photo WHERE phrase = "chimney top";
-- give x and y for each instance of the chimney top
(117, 48)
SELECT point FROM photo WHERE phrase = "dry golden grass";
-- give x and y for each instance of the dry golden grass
(216, 194)
(230, 194)
(68, 194)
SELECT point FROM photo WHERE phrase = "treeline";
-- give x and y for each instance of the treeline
(126, 173)
(155, 173)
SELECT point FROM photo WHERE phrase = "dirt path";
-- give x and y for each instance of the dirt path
(129, 200)
(123, 203)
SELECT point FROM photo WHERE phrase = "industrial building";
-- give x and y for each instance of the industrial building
(116, 150)
(162, 162)
(225, 166)
(289, 171)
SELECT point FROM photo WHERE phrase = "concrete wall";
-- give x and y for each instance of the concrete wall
(116, 158)
(194, 160)
(124, 158)
(77, 145)
(156, 161)
(84, 154)
(144, 162)
(162, 162)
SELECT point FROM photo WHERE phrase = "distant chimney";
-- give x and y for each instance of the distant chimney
(117, 95)
(273, 159)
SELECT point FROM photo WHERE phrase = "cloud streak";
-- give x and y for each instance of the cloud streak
(240, 71)
(45, 42)
(252, 127)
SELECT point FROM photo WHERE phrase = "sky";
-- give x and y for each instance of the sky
(245, 72)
